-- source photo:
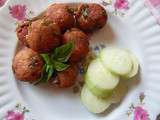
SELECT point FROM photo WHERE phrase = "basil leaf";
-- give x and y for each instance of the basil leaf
(72, 10)
(85, 12)
(47, 68)
(60, 66)
(55, 62)
(46, 58)
(63, 52)
(50, 73)
(43, 77)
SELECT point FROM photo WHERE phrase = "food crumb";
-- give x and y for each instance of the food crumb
(76, 89)
(81, 83)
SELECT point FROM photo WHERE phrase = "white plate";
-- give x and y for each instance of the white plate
(137, 30)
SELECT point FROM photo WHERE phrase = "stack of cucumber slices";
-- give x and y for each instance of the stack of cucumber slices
(102, 80)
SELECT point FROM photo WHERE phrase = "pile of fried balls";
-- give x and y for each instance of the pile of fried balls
(59, 24)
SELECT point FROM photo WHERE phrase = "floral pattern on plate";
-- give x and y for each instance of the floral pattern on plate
(138, 110)
(18, 12)
(20, 112)
(117, 7)
(2, 2)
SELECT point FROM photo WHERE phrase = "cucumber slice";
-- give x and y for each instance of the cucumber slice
(135, 66)
(119, 92)
(99, 80)
(116, 60)
(93, 103)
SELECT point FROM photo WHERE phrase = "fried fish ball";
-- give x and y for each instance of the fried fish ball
(67, 77)
(60, 14)
(27, 65)
(43, 36)
(81, 44)
(91, 17)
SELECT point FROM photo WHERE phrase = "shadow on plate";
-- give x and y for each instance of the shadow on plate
(104, 35)
(131, 84)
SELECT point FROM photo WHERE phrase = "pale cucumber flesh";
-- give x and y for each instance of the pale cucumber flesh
(116, 60)
(93, 103)
(119, 92)
(100, 80)
(102, 86)
(135, 66)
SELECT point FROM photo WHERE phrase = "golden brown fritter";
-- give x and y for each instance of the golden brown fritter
(27, 65)
(67, 77)
(81, 44)
(91, 17)
(60, 14)
(43, 36)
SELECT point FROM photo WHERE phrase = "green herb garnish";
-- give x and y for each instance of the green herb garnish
(46, 22)
(63, 52)
(55, 62)
(72, 10)
(104, 13)
(85, 11)
(59, 66)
